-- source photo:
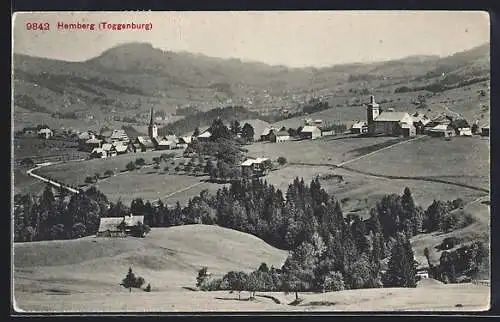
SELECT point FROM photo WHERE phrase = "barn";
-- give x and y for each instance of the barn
(110, 227)
(310, 132)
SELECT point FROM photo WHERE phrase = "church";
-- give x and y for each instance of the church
(388, 123)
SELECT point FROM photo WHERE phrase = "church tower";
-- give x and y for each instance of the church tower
(152, 128)
(372, 111)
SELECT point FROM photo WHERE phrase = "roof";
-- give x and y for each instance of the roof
(440, 127)
(310, 128)
(248, 162)
(110, 224)
(120, 148)
(186, 139)
(133, 220)
(143, 140)
(172, 138)
(205, 134)
(93, 141)
(393, 117)
(97, 150)
(45, 130)
(107, 146)
(283, 133)
(106, 133)
(359, 124)
(268, 130)
(119, 135)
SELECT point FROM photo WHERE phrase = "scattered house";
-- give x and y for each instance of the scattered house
(464, 131)
(110, 227)
(359, 127)
(30, 131)
(422, 272)
(98, 153)
(312, 122)
(90, 144)
(119, 136)
(255, 167)
(120, 148)
(144, 144)
(420, 121)
(205, 136)
(310, 132)
(168, 142)
(281, 136)
(442, 130)
(118, 226)
(184, 141)
(45, 133)
(268, 134)
(327, 132)
(109, 149)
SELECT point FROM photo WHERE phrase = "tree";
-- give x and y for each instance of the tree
(263, 268)
(475, 128)
(408, 219)
(219, 130)
(196, 132)
(202, 276)
(237, 281)
(140, 162)
(334, 281)
(235, 127)
(255, 282)
(148, 288)
(78, 230)
(247, 132)
(282, 161)
(129, 280)
(130, 166)
(401, 270)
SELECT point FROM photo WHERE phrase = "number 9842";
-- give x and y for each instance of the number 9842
(42, 26)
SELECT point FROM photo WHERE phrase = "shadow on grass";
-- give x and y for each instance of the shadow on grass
(321, 303)
(189, 288)
(246, 299)
(275, 300)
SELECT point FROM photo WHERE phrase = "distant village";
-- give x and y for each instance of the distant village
(379, 122)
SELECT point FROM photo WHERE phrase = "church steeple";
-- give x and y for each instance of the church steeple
(152, 129)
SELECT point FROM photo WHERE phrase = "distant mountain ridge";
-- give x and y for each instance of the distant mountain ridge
(129, 79)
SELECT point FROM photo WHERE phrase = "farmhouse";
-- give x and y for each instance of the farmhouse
(255, 167)
(168, 142)
(118, 226)
(464, 131)
(388, 123)
(422, 272)
(98, 153)
(119, 136)
(281, 136)
(90, 144)
(205, 136)
(45, 133)
(30, 131)
(442, 130)
(184, 141)
(359, 127)
(310, 132)
(268, 134)
(144, 144)
(120, 148)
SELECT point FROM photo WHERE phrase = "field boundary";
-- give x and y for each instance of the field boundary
(428, 179)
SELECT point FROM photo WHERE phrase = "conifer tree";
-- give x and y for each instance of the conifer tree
(402, 265)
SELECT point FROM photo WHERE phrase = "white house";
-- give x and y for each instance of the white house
(45, 133)
(282, 136)
(465, 131)
(359, 127)
(310, 132)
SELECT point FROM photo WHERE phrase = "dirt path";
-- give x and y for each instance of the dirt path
(55, 184)
(183, 189)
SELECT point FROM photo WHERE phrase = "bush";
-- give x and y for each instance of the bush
(455, 220)
(166, 169)
(140, 162)
(108, 173)
(131, 280)
(130, 166)
(282, 161)
(334, 282)
(89, 180)
(448, 243)
(213, 285)
(148, 288)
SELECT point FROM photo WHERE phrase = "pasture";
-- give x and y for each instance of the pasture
(84, 275)
(150, 184)
(461, 160)
(359, 193)
(329, 150)
(74, 173)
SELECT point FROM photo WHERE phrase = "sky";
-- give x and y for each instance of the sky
(290, 38)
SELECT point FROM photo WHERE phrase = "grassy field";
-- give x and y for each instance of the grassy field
(74, 173)
(359, 193)
(326, 150)
(463, 160)
(26, 184)
(150, 184)
(84, 275)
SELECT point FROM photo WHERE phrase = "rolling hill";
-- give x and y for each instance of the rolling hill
(129, 79)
